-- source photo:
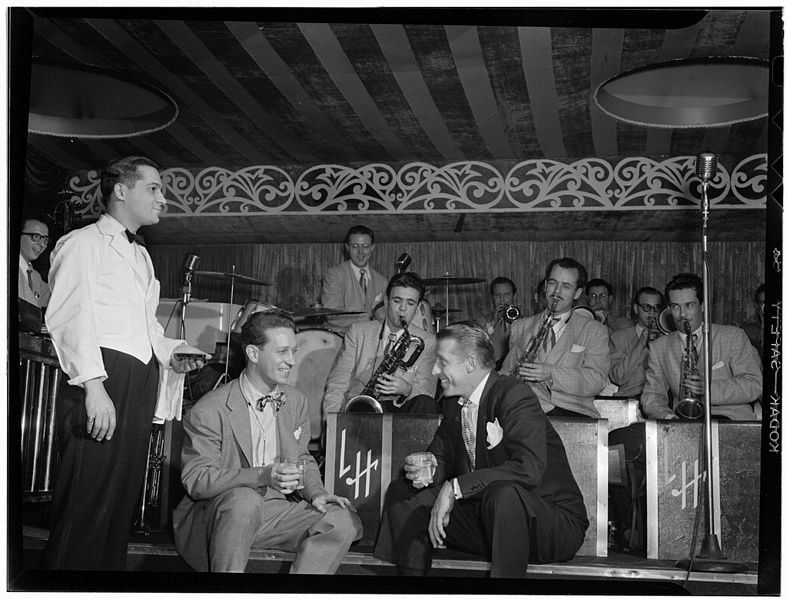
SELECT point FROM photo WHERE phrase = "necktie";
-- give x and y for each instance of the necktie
(362, 280)
(695, 356)
(390, 344)
(468, 434)
(30, 277)
(277, 397)
(551, 339)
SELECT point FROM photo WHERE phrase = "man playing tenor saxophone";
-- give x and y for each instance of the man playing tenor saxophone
(368, 344)
(567, 362)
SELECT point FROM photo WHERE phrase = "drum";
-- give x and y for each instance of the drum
(251, 306)
(317, 350)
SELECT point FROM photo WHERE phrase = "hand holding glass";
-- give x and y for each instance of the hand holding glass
(421, 468)
(296, 465)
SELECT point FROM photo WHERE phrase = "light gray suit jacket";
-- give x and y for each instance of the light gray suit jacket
(736, 375)
(628, 361)
(342, 291)
(579, 362)
(362, 352)
(217, 456)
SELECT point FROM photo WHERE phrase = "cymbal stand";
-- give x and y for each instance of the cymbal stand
(225, 377)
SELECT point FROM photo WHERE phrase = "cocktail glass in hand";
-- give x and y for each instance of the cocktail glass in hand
(426, 468)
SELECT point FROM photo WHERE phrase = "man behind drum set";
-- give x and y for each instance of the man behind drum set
(366, 346)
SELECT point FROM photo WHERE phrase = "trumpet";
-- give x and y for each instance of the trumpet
(511, 313)
(536, 341)
(689, 405)
(400, 356)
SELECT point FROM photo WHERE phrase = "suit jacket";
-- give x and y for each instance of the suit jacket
(362, 352)
(342, 291)
(530, 452)
(579, 362)
(736, 375)
(754, 331)
(38, 295)
(102, 297)
(499, 331)
(628, 361)
(217, 456)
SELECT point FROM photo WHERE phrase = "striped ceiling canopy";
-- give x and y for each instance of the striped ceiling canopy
(297, 88)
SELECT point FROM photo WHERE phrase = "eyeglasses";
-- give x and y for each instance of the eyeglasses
(37, 237)
(650, 309)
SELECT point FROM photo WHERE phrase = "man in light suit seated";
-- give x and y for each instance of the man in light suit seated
(628, 348)
(240, 492)
(366, 346)
(353, 284)
(736, 382)
(572, 363)
(499, 484)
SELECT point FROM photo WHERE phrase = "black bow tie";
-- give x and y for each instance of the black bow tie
(132, 237)
(277, 397)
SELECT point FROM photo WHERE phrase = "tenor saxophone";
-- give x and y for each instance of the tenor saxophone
(689, 405)
(399, 356)
(539, 339)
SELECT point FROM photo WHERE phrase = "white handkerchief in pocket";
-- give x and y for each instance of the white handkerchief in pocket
(719, 364)
(577, 348)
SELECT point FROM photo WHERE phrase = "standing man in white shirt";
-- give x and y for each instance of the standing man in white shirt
(102, 318)
(34, 240)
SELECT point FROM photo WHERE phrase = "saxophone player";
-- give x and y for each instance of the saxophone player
(571, 366)
(366, 345)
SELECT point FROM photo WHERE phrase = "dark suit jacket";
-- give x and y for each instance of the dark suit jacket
(530, 453)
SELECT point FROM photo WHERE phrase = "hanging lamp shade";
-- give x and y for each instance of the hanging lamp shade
(704, 92)
(90, 102)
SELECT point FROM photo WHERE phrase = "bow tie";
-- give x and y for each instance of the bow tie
(277, 397)
(132, 237)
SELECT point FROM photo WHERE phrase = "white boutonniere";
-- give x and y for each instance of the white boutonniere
(297, 433)
(494, 434)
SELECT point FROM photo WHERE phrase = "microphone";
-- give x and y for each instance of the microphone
(402, 262)
(705, 166)
(189, 264)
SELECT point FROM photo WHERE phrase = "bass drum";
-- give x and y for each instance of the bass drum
(248, 309)
(317, 351)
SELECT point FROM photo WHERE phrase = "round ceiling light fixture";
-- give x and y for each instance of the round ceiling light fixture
(84, 101)
(703, 92)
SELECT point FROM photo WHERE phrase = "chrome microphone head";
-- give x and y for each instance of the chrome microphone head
(190, 262)
(402, 262)
(705, 166)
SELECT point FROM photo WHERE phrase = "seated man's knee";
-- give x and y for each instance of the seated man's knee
(239, 502)
(501, 493)
(345, 521)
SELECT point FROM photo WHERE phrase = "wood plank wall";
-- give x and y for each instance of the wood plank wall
(294, 270)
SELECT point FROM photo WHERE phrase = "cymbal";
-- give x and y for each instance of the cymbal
(321, 311)
(230, 275)
(452, 280)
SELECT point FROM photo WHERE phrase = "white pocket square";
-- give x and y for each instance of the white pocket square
(718, 364)
(494, 434)
(297, 433)
(577, 348)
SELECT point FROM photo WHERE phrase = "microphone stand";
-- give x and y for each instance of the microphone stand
(184, 303)
(710, 557)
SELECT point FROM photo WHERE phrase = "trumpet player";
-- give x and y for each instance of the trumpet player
(366, 345)
(504, 313)
(628, 347)
(599, 296)
(571, 366)
(736, 376)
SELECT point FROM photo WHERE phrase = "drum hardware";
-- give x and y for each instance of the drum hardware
(448, 280)
(395, 359)
(439, 311)
(232, 276)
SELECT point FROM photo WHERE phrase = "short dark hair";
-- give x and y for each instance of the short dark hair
(648, 291)
(123, 170)
(255, 330)
(760, 289)
(541, 286)
(359, 230)
(598, 283)
(685, 280)
(565, 262)
(406, 279)
(38, 217)
(473, 338)
(501, 281)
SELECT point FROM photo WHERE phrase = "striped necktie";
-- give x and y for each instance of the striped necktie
(362, 280)
(468, 434)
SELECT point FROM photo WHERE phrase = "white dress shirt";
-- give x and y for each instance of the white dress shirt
(264, 429)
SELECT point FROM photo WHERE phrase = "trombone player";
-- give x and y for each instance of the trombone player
(368, 344)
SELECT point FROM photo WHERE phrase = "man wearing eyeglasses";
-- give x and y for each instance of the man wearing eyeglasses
(34, 240)
(628, 348)
(599, 296)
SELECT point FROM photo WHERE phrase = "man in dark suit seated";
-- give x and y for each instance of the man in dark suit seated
(501, 485)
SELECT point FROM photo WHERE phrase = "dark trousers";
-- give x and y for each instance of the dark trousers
(507, 524)
(98, 485)
(557, 412)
